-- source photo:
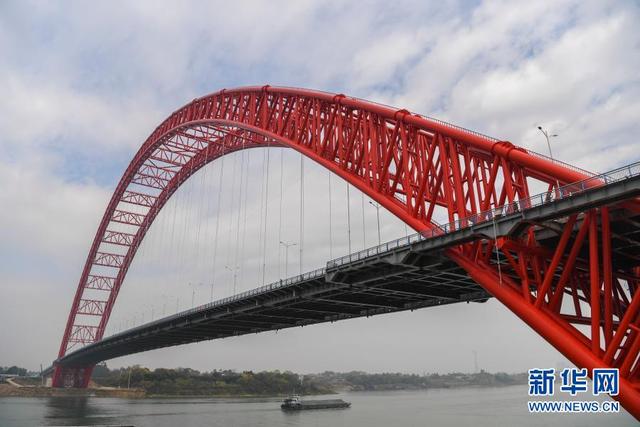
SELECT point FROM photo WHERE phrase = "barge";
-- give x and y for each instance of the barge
(295, 403)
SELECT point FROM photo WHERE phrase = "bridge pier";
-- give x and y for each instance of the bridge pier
(71, 377)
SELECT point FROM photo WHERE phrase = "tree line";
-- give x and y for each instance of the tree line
(185, 381)
(14, 370)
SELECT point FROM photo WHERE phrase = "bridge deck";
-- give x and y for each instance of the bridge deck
(406, 274)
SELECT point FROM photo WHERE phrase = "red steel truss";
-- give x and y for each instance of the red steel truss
(577, 300)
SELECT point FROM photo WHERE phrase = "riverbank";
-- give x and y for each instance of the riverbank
(7, 390)
(139, 382)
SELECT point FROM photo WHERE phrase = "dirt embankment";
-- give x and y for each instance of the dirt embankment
(9, 390)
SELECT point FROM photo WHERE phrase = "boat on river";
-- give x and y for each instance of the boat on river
(296, 403)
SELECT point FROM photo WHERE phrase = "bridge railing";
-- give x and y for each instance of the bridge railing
(563, 192)
(520, 205)
(252, 292)
(561, 163)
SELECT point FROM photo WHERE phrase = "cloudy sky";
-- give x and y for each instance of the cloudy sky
(83, 85)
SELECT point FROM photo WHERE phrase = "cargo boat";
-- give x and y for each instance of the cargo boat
(295, 403)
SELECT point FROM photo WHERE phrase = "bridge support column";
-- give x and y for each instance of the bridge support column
(71, 377)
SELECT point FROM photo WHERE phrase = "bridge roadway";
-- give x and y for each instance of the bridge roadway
(406, 274)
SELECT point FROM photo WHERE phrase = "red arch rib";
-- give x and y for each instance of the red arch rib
(408, 163)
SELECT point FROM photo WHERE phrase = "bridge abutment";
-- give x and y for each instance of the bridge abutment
(71, 377)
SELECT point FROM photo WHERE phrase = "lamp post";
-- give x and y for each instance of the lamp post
(234, 271)
(286, 256)
(377, 206)
(147, 307)
(193, 294)
(547, 137)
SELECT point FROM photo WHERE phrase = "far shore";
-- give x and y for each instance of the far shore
(7, 390)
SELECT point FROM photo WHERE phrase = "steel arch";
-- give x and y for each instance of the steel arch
(410, 164)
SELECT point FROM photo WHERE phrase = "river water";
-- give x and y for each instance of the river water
(478, 407)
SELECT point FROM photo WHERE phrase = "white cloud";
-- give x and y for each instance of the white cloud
(47, 113)
(91, 81)
(46, 217)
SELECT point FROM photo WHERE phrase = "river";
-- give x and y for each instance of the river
(478, 407)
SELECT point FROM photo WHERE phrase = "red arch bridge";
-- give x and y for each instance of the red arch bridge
(566, 262)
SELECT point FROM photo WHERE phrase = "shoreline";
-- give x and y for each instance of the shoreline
(39, 391)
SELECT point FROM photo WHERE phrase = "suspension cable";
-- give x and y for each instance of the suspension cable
(207, 226)
(348, 216)
(266, 217)
(364, 232)
(230, 222)
(301, 210)
(261, 228)
(171, 247)
(280, 215)
(246, 153)
(217, 229)
(182, 252)
(237, 241)
(330, 221)
(201, 199)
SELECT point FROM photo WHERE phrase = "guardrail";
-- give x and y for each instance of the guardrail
(563, 192)
(252, 292)
(561, 163)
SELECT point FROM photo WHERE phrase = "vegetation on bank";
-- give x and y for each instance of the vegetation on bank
(363, 381)
(189, 382)
(184, 381)
(14, 370)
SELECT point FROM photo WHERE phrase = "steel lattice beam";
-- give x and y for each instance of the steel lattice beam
(411, 165)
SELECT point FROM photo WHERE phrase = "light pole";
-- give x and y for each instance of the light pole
(548, 136)
(152, 312)
(234, 271)
(377, 206)
(193, 294)
(147, 307)
(286, 256)
(164, 305)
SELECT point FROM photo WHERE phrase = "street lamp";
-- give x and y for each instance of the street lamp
(234, 271)
(377, 206)
(147, 307)
(193, 294)
(547, 136)
(164, 304)
(286, 255)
